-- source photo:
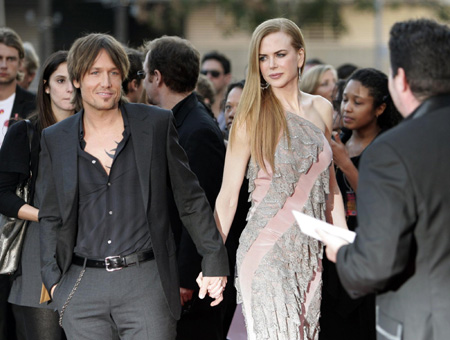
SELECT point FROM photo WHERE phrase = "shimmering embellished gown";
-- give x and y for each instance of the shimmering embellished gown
(278, 267)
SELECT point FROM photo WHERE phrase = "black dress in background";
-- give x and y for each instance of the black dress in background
(341, 316)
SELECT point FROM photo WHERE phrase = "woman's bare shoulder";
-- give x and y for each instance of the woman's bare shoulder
(317, 110)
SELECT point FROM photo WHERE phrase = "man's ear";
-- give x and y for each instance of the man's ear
(157, 78)
(76, 84)
(400, 81)
(227, 78)
(133, 85)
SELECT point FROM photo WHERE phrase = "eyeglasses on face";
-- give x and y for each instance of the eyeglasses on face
(141, 74)
(213, 73)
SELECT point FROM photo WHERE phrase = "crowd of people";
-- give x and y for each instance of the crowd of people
(161, 190)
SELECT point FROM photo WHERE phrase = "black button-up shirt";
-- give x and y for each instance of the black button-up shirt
(111, 214)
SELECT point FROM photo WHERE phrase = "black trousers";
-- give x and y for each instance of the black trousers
(7, 324)
(200, 321)
(37, 323)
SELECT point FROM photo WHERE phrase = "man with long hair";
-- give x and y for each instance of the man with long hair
(107, 249)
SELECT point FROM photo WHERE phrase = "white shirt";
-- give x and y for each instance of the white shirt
(5, 115)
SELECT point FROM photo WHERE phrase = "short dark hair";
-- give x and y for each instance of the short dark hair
(83, 54)
(239, 84)
(377, 84)
(224, 61)
(345, 70)
(10, 38)
(177, 60)
(422, 49)
(136, 64)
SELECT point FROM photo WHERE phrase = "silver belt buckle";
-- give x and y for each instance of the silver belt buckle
(107, 263)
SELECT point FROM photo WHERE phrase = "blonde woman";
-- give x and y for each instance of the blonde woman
(320, 80)
(282, 136)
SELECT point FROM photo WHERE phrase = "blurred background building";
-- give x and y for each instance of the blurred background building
(336, 31)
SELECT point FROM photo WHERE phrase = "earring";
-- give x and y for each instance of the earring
(299, 74)
(47, 91)
(265, 86)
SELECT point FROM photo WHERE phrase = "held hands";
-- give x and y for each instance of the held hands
(332, 243)
(213, 286)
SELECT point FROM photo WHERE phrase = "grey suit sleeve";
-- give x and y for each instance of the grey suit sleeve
(384, 244)
(49, 219)
(194, 209)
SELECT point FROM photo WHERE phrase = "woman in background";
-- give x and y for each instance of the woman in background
(282, 134)
(367, 111)
(320, 80)
(54, 99)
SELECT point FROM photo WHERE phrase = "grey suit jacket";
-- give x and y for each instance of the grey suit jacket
(402, 249)
(161, 162)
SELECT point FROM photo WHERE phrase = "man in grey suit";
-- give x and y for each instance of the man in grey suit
(107, 250)
(402, 249)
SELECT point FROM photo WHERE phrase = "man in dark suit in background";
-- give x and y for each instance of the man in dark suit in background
(15, 103)
(172, 66)
(107, 249)
(402, 249)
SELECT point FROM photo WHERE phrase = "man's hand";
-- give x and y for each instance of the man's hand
(332, 243)
(213, 286)
(185, 295)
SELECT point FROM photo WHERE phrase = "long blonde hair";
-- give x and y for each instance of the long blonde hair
(311, 79)
(259, 110)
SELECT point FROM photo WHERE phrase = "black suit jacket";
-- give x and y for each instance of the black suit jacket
(161, 162)
(201, 138)
(402, 249)
(24, 104)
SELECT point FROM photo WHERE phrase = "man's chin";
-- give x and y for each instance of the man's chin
(7, 81)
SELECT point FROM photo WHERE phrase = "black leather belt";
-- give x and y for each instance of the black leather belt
(112, 263)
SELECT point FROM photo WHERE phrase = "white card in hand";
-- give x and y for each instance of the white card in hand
(308, 225)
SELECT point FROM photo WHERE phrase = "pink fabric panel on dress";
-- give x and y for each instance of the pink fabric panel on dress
(276, 227)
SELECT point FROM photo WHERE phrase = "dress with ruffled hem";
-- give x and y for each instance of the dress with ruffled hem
(278, 267)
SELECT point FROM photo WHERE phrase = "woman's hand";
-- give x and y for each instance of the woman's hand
(340, 154)
(28, 213)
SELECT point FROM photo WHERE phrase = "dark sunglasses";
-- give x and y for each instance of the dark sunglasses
(141, 74)
(214, 73)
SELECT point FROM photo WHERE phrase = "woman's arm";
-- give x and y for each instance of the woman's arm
(343, 161)
(12, 205)
(335, 205)
(14, 168)
(236, 161)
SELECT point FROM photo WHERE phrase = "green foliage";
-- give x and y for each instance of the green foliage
(169, 17)
(248, 14)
